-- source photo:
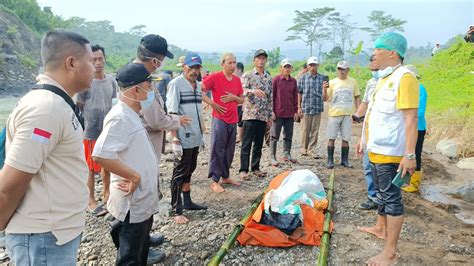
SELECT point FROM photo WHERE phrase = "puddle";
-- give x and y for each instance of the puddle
(452, 194)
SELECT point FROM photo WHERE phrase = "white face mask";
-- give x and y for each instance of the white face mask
(150, 96)
(162, 64)
(375, 74)
(387, 71)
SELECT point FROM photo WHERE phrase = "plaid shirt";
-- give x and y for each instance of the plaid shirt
(311, 88)
(255, 108)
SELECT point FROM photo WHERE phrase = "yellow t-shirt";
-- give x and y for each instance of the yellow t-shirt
(341, 94)
(408, 97)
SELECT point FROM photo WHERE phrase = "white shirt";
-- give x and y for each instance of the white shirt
(125, 138)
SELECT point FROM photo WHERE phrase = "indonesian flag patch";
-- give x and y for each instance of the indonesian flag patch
(41, 136)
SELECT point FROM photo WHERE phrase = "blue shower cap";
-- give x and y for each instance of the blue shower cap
(392, 41)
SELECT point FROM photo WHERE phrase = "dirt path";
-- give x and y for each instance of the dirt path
(430, 235)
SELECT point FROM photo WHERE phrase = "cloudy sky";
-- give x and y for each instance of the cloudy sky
(212, 25)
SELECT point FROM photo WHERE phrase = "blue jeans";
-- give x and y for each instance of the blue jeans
(371, 189)
(41, 249)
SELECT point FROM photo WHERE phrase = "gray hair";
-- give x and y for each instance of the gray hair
(58, 44)
(144, 54)
(226, 54)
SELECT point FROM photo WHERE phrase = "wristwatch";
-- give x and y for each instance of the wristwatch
(410, 156)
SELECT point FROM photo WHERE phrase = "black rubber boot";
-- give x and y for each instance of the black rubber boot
(345, 157)
(330, 157)
(189, 204)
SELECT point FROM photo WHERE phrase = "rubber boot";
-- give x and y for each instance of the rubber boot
(287, 151)
(345, 157)
(415, 180)
(273, 148)
(188, 204)
(330, 157)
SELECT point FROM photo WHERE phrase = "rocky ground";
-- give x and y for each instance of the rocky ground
(430, 235)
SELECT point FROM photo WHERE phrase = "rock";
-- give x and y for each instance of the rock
(204, 255)
(448, 147)
(466, 163)
(469, 196)
(212, 237)
(92, 257)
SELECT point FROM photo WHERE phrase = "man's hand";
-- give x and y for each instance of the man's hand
(407, 165)
(185, 120)
(219, 109)
(129, 185)
(269, 123)
(259, 93)
(229, 97)
(325, 85)
(359, 149)
(177, 150)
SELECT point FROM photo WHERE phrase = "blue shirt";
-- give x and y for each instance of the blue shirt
(311, 88)
(422, 108)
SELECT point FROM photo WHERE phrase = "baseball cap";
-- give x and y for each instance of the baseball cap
(156, 44)
(312, 60)
(132, 74)
(285, 62)
(392, 41)
(180, 61)
(343, 64)
(192, 60)
(260, 52)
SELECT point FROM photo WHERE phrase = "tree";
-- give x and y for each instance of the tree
(138, 30)
(274, 57)
(308, 26)
(342, 30)
(382, 23)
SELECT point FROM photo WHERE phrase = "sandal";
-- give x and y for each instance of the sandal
(245, 176)
(259, 173)
(98, 211)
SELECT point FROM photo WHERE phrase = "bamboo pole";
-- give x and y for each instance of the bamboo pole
(235, 233)
(324, 250)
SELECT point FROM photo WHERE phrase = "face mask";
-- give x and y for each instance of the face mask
(387, 71)
(162, 64)
(150, 96)
(375, 74)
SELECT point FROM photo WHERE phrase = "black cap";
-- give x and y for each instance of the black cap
(132, 74)
(156, 44)
(260, 52)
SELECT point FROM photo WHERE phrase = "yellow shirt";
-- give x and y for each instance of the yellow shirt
(407, 98)
(341, 94)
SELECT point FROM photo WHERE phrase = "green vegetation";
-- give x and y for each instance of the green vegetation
(27, 61)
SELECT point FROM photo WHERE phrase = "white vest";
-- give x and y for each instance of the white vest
(387, 126)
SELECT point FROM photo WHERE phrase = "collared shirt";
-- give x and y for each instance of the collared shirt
(182, 99)
(369, 90)
(256, 108)
(44, 138)
(285, 96)
(125, 138)
(311, 88)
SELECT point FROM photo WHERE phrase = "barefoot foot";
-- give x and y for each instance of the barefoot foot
(383, 259)
(180, 219)
(229, 181)
(216, 187)
(380, 233)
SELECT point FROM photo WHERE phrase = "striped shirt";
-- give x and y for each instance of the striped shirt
(311, 88)
(182, 99)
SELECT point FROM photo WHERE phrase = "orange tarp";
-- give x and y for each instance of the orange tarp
(309, 233)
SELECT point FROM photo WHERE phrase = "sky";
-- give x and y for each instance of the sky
(245, 25)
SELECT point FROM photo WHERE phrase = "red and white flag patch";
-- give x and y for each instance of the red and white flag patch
(41, 136)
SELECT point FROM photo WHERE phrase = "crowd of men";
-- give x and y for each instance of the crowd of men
(44, 192)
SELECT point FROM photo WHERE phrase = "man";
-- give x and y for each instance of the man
(124, 149)
(469, 37)
(227, 93)
(285, 107)
(435, 49)
(310, 106)
(257, 114)
(391, 137)
(342, 94)
(151, 52)
(240, 130)
(162, 82)
(95, 103)
(361, 151)
(43, 190)
(185, 98)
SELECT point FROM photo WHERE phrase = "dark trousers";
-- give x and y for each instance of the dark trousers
(132, 241)
(419, 148)
(183, 169)
(222, 149)
(254, 132)
(389, 196)
(286, 124)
